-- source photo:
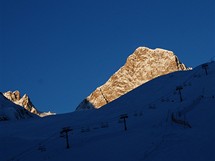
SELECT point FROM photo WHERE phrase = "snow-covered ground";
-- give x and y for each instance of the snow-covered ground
(159, 126)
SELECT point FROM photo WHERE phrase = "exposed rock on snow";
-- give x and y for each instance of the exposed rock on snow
(25, 102)
(43, 114)
(12, 111)
(143, 65)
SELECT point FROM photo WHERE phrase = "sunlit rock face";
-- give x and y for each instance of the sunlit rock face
(142, 66)
(12, 111)
(23, 101)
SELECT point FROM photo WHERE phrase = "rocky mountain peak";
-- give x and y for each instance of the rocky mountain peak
(143, 65)
(23, 101)
(13, 96)
(12, 111)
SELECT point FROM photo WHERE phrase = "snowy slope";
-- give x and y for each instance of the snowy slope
(153, 133)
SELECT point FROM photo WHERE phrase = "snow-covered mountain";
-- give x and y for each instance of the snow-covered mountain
(11, 111)
(169, 118)
(25, 102)
(143, 65)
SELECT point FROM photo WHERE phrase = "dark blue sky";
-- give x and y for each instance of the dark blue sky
(58, 52)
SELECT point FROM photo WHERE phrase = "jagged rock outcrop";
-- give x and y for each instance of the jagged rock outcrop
(25, 102)
(22, 101)
(12, 111)
(143, 65)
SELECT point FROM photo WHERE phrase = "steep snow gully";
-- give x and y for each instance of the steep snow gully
(169, 118)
